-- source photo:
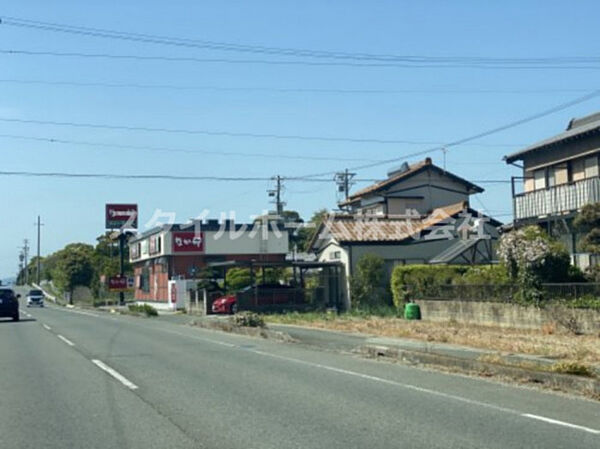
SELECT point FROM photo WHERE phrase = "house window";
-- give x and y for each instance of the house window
(551, 177)
(561, 174)
(539, 179)
(145, 280)
(577, 170)
(591, 167)
(335, 255)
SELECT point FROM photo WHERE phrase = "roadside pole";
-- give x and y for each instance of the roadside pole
(122, 238)
(39, 265)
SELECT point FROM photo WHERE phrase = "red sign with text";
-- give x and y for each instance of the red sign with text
(188, 241)
(119, 215)
(118, 283)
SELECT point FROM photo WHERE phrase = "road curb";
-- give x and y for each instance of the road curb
(227, 326)
(564, 382)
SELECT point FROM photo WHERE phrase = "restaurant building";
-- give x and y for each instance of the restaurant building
(168, 258)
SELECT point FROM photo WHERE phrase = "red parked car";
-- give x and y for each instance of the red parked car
(225, 304)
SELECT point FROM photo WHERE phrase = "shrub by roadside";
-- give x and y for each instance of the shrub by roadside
(248, 319)
(142, 309)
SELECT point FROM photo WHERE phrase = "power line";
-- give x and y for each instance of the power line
(188, 178)
(285, 90)
(53, 140)
(226, 133)
(464, 140)
(151, 176)
(292, 62)
(280, 51)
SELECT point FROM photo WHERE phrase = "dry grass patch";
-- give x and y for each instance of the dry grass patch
(550, 341)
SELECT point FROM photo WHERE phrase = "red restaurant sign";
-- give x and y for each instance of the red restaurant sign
(118, 283)
(188, 241)
(121, 215)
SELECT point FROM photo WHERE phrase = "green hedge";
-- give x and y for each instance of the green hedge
(423, 278)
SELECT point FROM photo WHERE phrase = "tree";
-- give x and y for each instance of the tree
(305, 233)
(238, 278)
(532, 258)
(74, 267)
(368, 286)
(587, 222)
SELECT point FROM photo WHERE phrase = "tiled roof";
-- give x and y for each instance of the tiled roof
(576, 128)
(412, 169)
(386, 182)
(365, 228)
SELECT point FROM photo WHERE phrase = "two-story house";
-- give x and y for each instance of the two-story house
(419, 214)
(560, 175)
(421, 186)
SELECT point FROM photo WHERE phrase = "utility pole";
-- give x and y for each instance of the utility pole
(343, 180)
(25, 256)
(276, 192)
(39, 224)
(21, 258)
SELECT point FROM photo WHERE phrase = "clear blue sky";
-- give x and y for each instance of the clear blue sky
(72, 210)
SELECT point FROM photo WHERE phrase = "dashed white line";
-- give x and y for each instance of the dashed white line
(48, 328)
(103, 366)
(66, 340)
(561, 423)
(132, 386)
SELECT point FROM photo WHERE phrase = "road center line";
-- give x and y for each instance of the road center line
(48, 328)
(561, 423)
(103, 366)
(66, 340)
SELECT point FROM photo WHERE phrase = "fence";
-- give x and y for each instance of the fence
(278, 299)
(501, 293)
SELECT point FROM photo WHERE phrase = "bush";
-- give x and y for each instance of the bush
(248, 319)
(485, 274)
(238, 278)
(421, 278)
(533, 258)
(145, 309)
(369, 286)
(575, 368)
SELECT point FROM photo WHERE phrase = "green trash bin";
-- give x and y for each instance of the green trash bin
(412, 311)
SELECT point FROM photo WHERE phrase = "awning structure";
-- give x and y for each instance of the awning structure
(330, 292)
(465, 251)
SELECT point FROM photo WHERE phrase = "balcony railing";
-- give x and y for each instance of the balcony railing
(557, 200)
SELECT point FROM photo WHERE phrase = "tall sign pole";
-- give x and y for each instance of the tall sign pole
(122, 238)
(121, 217)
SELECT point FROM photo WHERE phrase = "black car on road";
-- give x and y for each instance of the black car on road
(9, 303)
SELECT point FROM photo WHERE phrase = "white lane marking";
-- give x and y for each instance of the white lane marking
(66, 340)
(427, 391)
(385, 381)
(48, 328)
(561, 423)
(365, 376)
(103, 366)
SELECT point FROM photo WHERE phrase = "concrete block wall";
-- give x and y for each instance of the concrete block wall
(508, 315)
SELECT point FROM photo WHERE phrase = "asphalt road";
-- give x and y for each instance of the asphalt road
(78, 379)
